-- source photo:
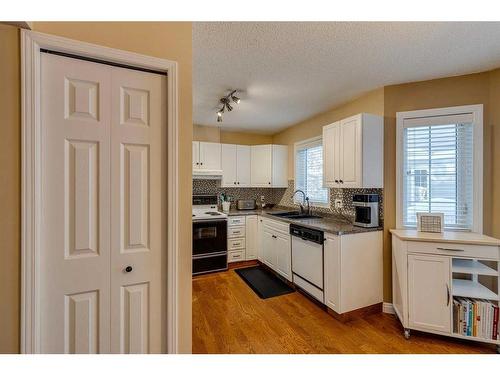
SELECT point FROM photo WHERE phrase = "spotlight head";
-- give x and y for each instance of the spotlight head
(219, 118)
(235, 99)
(229, 107)
(219, 113)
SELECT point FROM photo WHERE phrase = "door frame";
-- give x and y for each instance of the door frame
(31, 194)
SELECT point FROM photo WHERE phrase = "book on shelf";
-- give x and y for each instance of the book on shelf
(475, 318)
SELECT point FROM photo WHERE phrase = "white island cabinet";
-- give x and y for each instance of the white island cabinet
(436, 276)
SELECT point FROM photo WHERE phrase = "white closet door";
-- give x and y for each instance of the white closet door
(75, 235)
(139, 227)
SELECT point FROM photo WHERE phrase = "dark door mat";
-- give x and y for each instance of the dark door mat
(264, 283)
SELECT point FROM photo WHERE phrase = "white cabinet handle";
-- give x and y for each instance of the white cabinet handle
(448, 249)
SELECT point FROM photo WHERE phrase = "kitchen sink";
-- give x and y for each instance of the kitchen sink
(295, 215)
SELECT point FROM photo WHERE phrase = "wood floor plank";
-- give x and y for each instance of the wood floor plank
(228, 317)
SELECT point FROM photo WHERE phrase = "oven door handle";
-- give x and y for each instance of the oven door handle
(210, 255)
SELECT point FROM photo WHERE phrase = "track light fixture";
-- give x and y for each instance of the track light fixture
(225, 102)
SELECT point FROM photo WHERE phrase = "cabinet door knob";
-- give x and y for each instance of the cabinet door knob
(269, 183)
(336, 181)
(235, 182)
(341, 181)
(128, 269)
(238, 183)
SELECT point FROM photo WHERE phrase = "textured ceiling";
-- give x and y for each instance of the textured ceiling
(290, 71)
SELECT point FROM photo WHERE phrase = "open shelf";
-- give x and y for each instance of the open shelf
(472, 289)
(472, 267)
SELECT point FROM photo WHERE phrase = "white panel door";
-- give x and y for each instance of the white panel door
(138, 183)
(261, 166)
(429, 296)
(350, 152)
(229, 165)
(75, 239)
(283, 250)
(332, 273)
(243, 165)
(196, 155)
(210, 156)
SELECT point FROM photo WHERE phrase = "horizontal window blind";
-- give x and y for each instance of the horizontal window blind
(309, 172)
(438, 169)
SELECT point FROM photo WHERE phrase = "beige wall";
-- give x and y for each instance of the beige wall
(445, 92)
(216, 134)
(494, 117)
(371, 102)
(168, 40)
(10, 189)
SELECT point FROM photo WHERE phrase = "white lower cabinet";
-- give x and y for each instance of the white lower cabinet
(252, 239)
(353, 271)
(276, 248)
(242, 238)
(434, 275)
(429, 302)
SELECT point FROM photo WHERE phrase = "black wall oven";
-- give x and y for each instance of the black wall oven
(209, 246)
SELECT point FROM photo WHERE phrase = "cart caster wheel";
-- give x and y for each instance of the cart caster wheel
(407, 334)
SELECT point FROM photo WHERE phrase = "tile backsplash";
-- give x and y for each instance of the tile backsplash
(271, 195)
(344, 194)
(283, 196)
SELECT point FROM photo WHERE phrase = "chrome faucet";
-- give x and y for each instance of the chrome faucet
(305, 200)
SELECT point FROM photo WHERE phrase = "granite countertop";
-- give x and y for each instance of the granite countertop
(330, 224)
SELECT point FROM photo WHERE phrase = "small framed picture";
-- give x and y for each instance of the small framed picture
(432, 222)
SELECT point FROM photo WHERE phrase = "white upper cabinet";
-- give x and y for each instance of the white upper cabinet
(269, 166)
(229, 166)
(243, 165)
(207, 157)
(235, 165)
(353, 152)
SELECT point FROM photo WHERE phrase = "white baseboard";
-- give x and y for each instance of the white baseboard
(388, 308)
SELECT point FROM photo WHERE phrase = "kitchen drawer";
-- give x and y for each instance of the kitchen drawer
(454, 249)
(236, 256)
(235, 232)
(235, 243)
(235, 220)
(276, 225)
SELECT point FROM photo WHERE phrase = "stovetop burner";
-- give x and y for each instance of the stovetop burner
(212, 213)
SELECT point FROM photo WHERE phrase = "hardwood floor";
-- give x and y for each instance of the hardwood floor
(228, 317)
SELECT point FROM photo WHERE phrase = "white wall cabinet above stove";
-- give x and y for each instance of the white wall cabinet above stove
(236, 164)
(353, 152)
(269, 166)
(206, 158)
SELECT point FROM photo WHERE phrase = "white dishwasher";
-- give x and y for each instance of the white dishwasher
(307, 260)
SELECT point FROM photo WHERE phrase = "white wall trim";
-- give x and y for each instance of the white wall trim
(477, 112)
(387, 308)
(31, 43)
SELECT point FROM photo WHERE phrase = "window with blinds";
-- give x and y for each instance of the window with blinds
(309, 172)
(437, 171)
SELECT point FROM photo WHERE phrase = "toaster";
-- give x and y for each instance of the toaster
(245, 204)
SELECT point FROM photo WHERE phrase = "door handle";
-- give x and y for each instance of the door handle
(128, 269)
(447, 295)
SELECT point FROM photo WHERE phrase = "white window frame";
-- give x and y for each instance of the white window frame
(477, 114)
(304, 144)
